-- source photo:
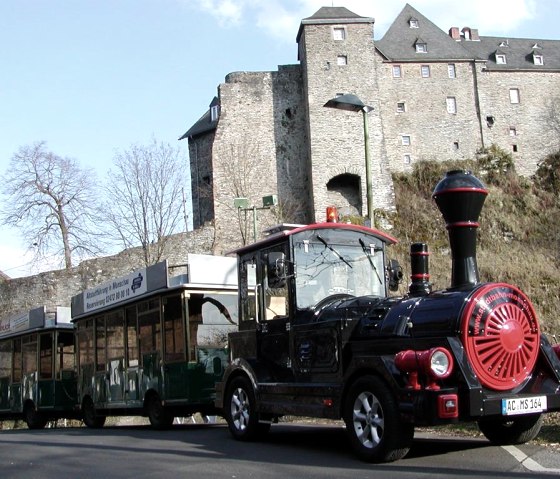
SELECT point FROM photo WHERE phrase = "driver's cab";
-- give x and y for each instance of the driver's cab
(288, 280)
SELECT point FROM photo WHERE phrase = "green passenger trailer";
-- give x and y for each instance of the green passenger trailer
(37, 367)
(151, 344)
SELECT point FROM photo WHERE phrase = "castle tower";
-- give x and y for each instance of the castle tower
(337, 55)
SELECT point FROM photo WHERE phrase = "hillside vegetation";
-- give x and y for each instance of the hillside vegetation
(519, 233)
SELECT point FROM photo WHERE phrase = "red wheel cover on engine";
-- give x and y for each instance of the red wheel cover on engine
(501, 335)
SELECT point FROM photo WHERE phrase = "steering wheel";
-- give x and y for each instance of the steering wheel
(331, 299)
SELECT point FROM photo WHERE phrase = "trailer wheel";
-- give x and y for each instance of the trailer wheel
(372, 421)
(33, 418)
(503, 431)
(160, 418)
(90, 417)
(240, 411)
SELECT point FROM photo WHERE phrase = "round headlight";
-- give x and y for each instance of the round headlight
(441, 363)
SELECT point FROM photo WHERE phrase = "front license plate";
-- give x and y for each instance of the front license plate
(528, 405)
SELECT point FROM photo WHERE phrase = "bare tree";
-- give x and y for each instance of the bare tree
(145, 194)
(51, 200)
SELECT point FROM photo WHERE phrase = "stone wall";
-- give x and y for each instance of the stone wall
(56, 288)
(259, 150)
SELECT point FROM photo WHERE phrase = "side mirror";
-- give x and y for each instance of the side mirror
(276, 270)
(394, 274)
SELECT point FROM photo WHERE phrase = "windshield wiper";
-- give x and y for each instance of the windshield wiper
(333, 250)
(368, 255)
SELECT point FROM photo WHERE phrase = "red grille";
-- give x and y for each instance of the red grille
(501, 334)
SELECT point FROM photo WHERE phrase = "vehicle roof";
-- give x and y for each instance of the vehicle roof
(384, 237)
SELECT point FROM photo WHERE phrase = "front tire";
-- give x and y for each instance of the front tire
(507, 431)
(240, 411)
(373, 422)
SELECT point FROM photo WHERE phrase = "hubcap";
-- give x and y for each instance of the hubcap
(368, 420)
(240, 409)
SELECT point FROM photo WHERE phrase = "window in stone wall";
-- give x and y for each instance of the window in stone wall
(514, 95)
(405, 140)
(425, 71)
(512, 131)
(407, 159)
(455, 146)
(401, 107)
(339, 33)
(341, 60)
(451, 72)
(413, 23)
(397, 73)
(214, 113)
(514, 148)
(451, 105)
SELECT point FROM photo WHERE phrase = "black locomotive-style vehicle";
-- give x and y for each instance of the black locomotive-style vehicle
(319, 336)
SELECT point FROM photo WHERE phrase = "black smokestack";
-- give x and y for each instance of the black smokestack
(460, 196)
(420, 274)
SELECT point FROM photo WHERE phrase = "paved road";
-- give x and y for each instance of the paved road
(290, 451)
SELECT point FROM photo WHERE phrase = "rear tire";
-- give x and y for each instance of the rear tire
(240, 411)
(33, 418)
(507, 431)
(160, 418)
(90, 417)
(373, 422)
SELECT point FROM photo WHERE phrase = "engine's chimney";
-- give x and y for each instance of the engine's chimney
(420, 275)
(460, 196)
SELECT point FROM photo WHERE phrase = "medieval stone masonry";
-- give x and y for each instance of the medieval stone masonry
(435, 95)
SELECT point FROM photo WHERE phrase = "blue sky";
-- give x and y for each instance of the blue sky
(89, 77)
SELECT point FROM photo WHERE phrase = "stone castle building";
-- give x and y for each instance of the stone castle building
(435, 96)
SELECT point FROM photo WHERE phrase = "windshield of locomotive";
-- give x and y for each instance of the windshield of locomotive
(324, 269)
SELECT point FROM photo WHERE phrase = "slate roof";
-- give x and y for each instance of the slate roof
(332, 15)
(518, 52)
(399, 42)
(204, 123)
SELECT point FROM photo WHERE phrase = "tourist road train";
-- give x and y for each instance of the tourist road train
(303, 323)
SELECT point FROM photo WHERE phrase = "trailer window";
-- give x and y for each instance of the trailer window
(212, 316)
(85, 342)
(5, 359)
(64, 353)
(29, 352)
(100, 352)
(46, 356)
(132, 336)
(17, 361)
(149, 326)
(115, 334)
(174, 331)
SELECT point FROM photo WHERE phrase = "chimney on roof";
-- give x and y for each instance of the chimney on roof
(454, 33)
(474, 35)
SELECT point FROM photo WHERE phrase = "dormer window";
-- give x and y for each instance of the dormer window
(538, 59)
(413, 23)
(500, 59)
(421, 46)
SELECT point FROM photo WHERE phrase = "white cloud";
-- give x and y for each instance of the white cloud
(281, 18)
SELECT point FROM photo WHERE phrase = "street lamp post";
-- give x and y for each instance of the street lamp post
(351, 102)
(242, 204)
